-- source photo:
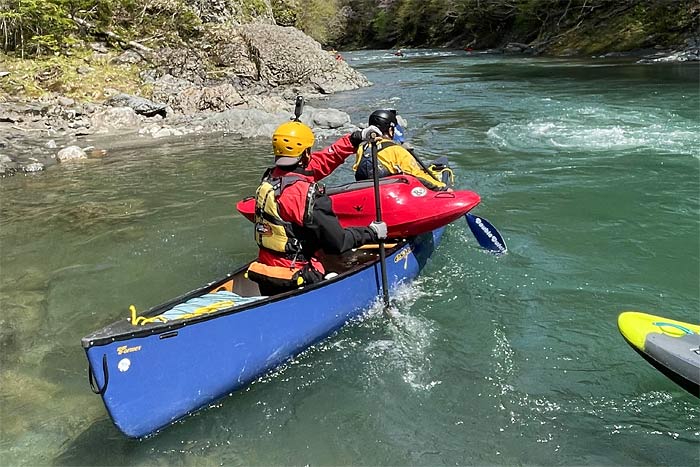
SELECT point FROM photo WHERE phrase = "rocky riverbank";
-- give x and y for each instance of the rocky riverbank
(236, 79)
(241, 80)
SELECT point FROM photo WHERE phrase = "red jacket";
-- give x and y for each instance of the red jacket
(324, 231)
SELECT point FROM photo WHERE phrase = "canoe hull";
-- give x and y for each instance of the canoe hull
(672, 347)
(152, 378)
(408, 208)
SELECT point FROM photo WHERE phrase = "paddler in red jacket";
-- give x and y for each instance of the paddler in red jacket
(392, 158)
(293, 216)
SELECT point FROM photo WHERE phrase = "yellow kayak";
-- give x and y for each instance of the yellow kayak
(672, 347)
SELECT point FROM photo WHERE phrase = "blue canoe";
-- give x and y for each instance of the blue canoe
(149, 377)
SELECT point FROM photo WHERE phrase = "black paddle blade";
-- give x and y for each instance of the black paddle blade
(298, 108)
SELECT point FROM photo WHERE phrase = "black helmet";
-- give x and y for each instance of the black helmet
(383, 119)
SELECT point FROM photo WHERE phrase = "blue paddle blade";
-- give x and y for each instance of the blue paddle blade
(486, 234)
(399, 134)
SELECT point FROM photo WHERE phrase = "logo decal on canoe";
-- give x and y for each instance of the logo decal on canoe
(125, 349)
(124, 364)
(403, 256)
(418, 192)
(358, 208)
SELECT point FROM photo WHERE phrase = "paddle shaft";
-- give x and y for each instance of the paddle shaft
(423, 166)
(378, 207)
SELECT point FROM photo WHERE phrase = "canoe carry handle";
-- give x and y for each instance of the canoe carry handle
(91, 377)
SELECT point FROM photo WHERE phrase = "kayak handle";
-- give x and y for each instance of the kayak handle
(91, 377)
(662, 324)
(445, 194)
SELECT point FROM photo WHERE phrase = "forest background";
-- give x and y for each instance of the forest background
(30, 28)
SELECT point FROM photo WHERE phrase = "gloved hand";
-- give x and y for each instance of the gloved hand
(369, 131)
(379, 229)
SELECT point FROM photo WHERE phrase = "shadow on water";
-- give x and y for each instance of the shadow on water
(114, 448)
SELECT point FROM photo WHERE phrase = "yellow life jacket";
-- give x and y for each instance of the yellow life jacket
(271, 231)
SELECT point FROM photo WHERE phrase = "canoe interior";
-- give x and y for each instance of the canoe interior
(344, 265)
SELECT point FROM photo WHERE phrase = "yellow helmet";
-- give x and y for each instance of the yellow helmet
(289, 141)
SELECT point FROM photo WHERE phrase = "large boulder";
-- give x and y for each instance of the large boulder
(228, 50)
(208, 99)
(233, 11)
(287, 56)
(230, 66)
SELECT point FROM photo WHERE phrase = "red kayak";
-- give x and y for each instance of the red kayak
(408, 207)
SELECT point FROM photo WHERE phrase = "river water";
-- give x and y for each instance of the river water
(590, 169)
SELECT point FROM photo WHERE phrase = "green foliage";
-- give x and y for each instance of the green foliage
(383, 28)
(489, 23)
(36, 27)
(320, 19)
(285, 12)
(253, 8)
(59, 73)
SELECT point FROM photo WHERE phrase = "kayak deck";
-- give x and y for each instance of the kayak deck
(408, 207)
(671, 346)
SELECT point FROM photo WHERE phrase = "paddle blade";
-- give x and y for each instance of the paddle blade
(486, 234)
(399, 134)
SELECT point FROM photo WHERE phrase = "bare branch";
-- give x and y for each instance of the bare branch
(110, 34)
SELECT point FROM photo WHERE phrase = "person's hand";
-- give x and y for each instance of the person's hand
(379, 229)
(369, 131)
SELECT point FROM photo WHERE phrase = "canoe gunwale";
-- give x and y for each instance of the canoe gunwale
(117, 331)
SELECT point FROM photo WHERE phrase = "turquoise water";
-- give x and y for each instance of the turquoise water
(589, 168)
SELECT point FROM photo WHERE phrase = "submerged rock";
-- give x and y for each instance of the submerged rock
(71, 153)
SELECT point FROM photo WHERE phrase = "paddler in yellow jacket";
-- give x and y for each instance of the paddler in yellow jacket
(392, 158)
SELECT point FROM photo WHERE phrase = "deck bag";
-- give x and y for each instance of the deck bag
(280, 276)
(207, 303)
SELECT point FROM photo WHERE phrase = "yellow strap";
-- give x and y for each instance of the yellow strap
(437, 174)
(141, 320)
(208, 309)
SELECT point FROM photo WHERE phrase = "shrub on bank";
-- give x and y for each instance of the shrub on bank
(40, 27)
